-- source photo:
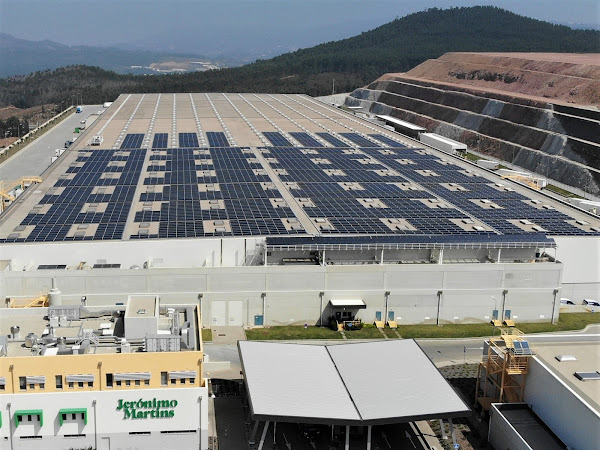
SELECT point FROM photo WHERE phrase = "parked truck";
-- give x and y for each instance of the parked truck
(79, 109)
(443, 143)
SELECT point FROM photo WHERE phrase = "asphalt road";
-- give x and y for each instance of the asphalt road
(35, 158)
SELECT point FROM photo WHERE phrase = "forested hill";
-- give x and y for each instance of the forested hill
(394, 47)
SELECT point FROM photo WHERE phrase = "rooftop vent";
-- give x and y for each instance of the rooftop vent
(564, 358)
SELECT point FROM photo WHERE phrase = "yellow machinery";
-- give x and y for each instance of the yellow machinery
(7, 186)
(502, 372)
(535, 183)
(35, 302)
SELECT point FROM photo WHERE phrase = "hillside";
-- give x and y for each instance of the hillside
(537, 111)
(20, 56)
(394, 47)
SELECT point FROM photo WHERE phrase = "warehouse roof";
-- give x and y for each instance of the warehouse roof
(360, 384)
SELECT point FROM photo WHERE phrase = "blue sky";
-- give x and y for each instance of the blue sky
(237, 26)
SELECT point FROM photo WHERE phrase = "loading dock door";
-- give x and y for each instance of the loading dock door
(235, 313)
(219, 315)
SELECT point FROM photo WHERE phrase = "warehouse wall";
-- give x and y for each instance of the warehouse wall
(233, 295)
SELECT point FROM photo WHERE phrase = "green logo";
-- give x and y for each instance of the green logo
(147, 409)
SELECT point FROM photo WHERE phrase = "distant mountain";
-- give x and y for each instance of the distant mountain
(394, 47)
(20, 56)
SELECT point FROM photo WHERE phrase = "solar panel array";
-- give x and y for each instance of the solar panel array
(217, 139)
(305, 139)
(277, 139)
(160, 140)
(132, 141)
(220, 185)
(188, 140)
(398, 192)
(84, 204)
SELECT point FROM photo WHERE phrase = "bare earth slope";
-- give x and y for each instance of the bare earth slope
(572, 78)
(538, 111)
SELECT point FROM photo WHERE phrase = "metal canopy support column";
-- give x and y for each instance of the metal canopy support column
(264, 434)
(254, 430)
(439, 299)
(347, 445)
(369, 437)
(386, 318)
(443, 428)
(452, 431)
(499, 254)
(321, 294)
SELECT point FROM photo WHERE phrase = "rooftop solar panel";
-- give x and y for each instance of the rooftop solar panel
(277, 139)
(217, 139)
(132, 141)
(332, 140)
(160, 140)
(188, 140)
(305, 139)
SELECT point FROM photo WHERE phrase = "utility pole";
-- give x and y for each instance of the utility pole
(333, 87)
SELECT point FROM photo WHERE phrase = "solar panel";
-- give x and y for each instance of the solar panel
(277, 139)
(332, 140)
(305, 139)
(217, 139)
(160, 140)
(132, 141)
(188, 140)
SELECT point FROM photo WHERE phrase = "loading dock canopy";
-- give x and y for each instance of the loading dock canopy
(349, 384)
(357, 304)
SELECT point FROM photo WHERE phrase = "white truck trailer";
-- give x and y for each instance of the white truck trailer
(443, 143)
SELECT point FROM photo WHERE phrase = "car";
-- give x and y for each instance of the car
(587, 301)
(566, 301)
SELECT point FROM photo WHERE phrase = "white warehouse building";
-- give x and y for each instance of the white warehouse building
(279, 209)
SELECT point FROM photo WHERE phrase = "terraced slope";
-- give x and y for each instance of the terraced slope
(552, 137)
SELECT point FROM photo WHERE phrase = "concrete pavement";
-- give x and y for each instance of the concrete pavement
(35, 157)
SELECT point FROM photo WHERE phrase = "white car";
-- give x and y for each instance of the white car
(587, 301)
(566, 301)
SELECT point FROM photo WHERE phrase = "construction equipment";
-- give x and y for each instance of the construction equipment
(9, 189)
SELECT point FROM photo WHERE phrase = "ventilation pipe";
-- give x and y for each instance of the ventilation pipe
(54, 295)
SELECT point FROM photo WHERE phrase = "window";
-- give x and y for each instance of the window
(127, 382)
(80, 384)
(42, 385)
(137, 382)
(173, 380)
(59, 381)
(109, 380)
(23, 383)
(32, 386)
(163, 378)
(147, 382)
(118, 382)
(90, 384)
(192, 380)
(183, 381)
(71, 384)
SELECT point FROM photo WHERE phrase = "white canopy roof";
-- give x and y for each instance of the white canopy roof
(353, 384)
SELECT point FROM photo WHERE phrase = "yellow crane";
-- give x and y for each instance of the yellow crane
(7, 186)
